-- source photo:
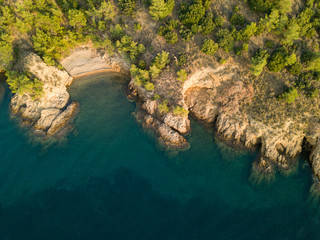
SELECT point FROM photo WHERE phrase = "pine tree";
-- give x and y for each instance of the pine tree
(292, 33)
(160, 9)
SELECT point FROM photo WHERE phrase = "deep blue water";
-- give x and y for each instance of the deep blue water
(109, 180)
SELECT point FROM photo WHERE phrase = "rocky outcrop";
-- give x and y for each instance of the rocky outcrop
(44, 111)
(63, 118)
(167, 136)
(179, 123)
(51, 112)
(216, 95)
(169, 128)
(218, 98)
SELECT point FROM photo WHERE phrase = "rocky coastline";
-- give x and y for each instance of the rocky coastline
(214, 94)
(51, 113)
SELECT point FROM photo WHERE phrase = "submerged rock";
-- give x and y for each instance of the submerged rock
(262, 172)
(171, 138)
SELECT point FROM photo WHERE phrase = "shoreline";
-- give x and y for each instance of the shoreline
(230, 126)
(95, 72)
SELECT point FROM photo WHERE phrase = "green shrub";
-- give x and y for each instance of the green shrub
(237, 19)
(258, 62)
(277, 61)
(149, 86)
(182, 75)
(305, 23)
(77, 19)
(186, 34)
(183, 58)
(105, 44)
(168, 31)
(248, 32)
(154, 71)
(284, 6)
(269, 44)
(21, 84)
(142, 64)
(141, 77)
(245, 47)
(161, 60)
(225, 40)
(137, 26)
(311, 61)
(269, 23)
(171, 37)
(163, 107)
(289, 96)
(295, 69)
(291, 34)
(209, 47)
(195, 28)
(159, 63)
(206, 3)
(313, 93)
(222, 61)
(101, 14)
(65, 5)
(238, 51)
(116, 32)
(156, 97)
(207, 24)
(192, 14)
(133, 49)
(218, 21)
(160, 9)
(265, 6)
(180, 111)
(6, 56)
(305, 80)
(127, 7)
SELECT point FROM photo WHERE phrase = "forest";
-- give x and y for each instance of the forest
(51, 28)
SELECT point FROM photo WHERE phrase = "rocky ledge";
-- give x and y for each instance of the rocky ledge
(217, 95)
(53, 110)
(51, 113)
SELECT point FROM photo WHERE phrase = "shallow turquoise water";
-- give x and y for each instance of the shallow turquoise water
(108, 180)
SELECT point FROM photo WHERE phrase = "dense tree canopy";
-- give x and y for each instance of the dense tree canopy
(53, 27)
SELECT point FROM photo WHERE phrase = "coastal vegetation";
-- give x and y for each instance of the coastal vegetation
(276, 37)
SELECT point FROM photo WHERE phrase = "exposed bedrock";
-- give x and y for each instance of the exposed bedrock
(216, 96)
(54, 110)
(53, 103)
(169, 128)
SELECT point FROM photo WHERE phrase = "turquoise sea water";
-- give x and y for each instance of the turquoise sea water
(108, 180)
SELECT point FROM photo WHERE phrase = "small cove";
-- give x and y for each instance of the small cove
(107, 180)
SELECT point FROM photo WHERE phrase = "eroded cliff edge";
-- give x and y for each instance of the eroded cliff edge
(223, 97)
(218, 95)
